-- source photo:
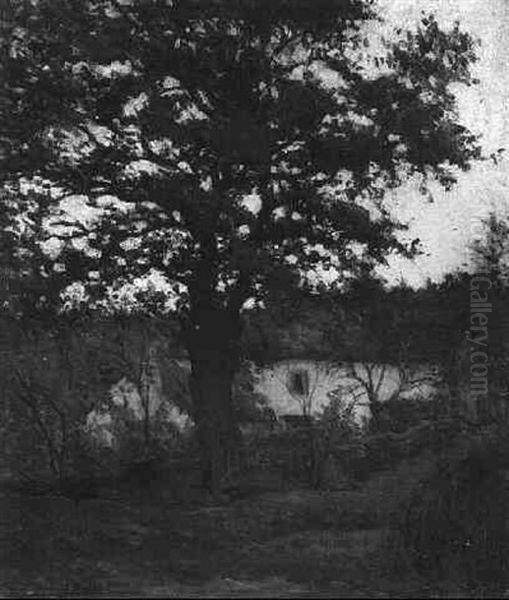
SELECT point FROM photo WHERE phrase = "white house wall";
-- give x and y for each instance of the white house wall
(273, 383)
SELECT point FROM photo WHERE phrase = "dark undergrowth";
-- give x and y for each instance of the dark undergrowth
(395, 532)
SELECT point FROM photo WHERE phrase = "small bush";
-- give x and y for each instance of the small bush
(399, 414)
(453, 526)
(333, 452)
(385, 450)
(314, 452)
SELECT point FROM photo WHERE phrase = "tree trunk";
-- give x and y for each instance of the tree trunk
(375, 407)
(144, 386)
(213, 349)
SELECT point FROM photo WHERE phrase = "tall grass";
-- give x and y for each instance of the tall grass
(453, 527)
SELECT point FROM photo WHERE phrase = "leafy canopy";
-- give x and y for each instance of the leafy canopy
(228, 148)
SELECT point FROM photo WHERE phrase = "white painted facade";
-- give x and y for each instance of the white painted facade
(148, 396)
(278, 384)
(290, 387)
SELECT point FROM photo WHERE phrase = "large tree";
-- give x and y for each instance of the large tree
(236, 148)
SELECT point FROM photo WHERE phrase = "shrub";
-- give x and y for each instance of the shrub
(384, 450)
(453, 525)
(338, 419)
(399, 414)
(311, 452)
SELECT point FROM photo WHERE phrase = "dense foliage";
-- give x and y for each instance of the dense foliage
(202, 157)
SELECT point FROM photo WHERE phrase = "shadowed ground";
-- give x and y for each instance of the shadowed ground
(146, 542)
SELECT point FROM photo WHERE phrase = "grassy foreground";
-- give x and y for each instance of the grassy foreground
(146, 542)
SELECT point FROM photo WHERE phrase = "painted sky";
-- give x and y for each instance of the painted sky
(447, 225)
